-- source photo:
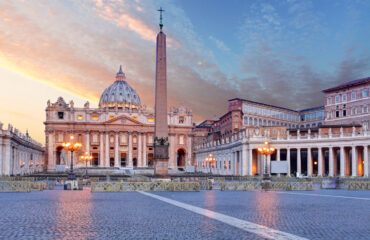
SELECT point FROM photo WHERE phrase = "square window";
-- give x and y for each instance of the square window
(60, 115)
(79, 117)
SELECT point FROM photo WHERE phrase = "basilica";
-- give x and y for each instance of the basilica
(118, 134)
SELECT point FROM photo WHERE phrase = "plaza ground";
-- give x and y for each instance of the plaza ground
(58, 214)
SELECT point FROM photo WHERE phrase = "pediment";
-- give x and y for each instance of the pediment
(124, 120)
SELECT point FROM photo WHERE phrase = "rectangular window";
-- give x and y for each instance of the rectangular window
(337, 99)
(181, 139)
(337, 114)
(365, 93)
(344, 98)
(354, 111)
(329, 100)
(344, 113)
(60, 115)
(94, 117)
(60, 137)
(353, 96)
(95, 138)
(365, 109)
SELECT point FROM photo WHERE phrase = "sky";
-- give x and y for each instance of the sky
(281, 52)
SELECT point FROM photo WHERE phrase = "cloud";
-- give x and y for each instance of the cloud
(220, 44)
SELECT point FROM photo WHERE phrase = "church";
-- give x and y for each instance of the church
(119, 133)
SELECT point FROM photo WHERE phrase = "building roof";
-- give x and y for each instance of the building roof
(312, 109)
(264, 104)
(348, 84)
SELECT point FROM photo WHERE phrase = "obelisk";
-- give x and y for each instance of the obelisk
(161, 126)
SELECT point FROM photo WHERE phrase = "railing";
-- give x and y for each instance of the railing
(144, 186)
(279, 186)
(21, 186)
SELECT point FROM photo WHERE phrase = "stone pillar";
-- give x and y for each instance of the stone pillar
(309, 162)
(107, 161)
(354, 161)
(116, 148)
(87, 145)
(1, 155)
(189, 148)
(139, 151)
(130, 163)
(101, 152)
(145, 161)
(288, 161)
(366, 161)
(299, 169)
(51, 149)
(331, 162)
(278, 158)
(245, 161)
(342, 162)
(249, 161)
(172, 161)
(320, 162)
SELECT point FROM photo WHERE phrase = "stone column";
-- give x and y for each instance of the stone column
(245, 161)
(189, 148)
(249, 161)
(366, 161)
(1, 156)
(342, 163)
(278, 158)
(331, 162)
(299, 169)
(101, 152)
(320, 162)
(288, 160)
(309, 162)
(139, 151)
(107, 161)
(172, 159)
(130, 163)
(51, 149)
(145, 161)
(87, 144)
(354, 161)
(116, 152)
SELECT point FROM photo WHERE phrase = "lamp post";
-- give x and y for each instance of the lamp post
(210, 160)
(266, 150)
(86, 158)
(71, 146)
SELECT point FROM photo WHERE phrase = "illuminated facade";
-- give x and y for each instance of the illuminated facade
(19, 153)
(119, 133)
(348, 103)
(330, 140)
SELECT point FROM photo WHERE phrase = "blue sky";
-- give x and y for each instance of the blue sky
(277, 52)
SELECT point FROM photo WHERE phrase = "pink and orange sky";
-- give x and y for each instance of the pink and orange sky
(278, 52)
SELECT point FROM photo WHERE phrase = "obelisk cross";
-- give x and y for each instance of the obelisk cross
(160, 17)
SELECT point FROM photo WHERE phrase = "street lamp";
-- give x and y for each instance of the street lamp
(71, 146)
(210, 160)
(86, 158)
(266, 150)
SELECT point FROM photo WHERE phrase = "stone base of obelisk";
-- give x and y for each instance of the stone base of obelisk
(161, 161)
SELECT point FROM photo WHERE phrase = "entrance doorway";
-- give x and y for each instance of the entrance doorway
(60, 156)
(123, 159)
(181, 157)
(95, 159)
(150, 160)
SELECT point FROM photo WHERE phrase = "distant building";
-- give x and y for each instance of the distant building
(19, 153)
(119, 133)
(348, 103)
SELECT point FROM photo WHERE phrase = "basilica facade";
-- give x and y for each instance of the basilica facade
(119, 133)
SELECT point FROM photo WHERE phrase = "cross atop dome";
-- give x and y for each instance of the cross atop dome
(120, 76)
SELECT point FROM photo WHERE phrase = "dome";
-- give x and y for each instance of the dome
(120, 94)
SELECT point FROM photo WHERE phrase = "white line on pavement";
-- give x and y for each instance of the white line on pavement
(325, 195)
(241, 224)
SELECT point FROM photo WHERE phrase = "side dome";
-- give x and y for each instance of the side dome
(120, 94)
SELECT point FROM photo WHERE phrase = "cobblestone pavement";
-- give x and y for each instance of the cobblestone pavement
(61, 214)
